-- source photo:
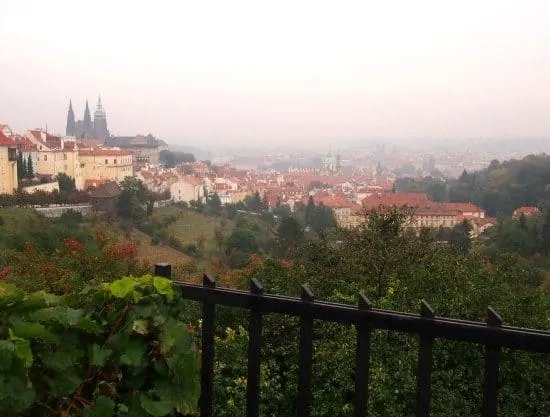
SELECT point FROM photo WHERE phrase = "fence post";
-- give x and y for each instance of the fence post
(207, 360)
(362, 360)
(425, 359)
(163, 270)
(306, 354)
(492, 362)
(254, 350)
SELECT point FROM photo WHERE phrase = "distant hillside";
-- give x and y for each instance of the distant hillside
(499, 189)
(502, 187)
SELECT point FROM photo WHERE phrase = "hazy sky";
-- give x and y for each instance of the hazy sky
(236, 71)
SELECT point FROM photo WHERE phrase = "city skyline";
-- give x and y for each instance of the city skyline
(315, 72)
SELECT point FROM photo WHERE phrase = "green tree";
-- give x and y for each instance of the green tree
(21, 167)
(30, 169)
(214, 204)
(135, 201)
(545, 234)
(321, 219)
(66, 183)
(460, 238)
(289, 235)
(254, 202)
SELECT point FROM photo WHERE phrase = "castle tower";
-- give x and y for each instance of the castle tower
(71, 125)
(87, 123)
(100, 122)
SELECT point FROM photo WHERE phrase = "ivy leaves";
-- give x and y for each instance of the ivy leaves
(115, 350)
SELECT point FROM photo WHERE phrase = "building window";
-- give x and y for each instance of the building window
(106, 161)
(65, 156)
(114, 161)
(45, 157)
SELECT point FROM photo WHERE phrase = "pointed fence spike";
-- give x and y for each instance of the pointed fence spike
(306, 294)
(493, 318)
(364, 303)
(256, 287)
(426, 309)
(208, 281)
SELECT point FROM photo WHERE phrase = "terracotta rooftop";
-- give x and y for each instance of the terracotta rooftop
(104, 152)
(5, 141)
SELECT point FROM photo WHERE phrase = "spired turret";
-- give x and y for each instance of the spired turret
(100, 122)
(71, 124)
(87, 123)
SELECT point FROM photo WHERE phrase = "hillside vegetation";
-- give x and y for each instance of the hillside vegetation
(499, 189)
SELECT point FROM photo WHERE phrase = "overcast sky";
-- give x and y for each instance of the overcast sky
(237, 71)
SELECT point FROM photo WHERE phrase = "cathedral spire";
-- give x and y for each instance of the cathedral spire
(87, 122)
(99, 108)
(100, 121)
(70, 129)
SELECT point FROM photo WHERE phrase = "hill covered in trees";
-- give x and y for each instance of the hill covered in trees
(499, 189)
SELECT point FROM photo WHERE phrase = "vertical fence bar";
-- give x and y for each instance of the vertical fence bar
(425, 363)
(207, 360)
(163, 270)
(492, 362)
(306, 356)
(362, 361)
(254, 337)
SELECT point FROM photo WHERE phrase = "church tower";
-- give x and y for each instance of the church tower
(87, 123)
(100, 122)
(71, 125)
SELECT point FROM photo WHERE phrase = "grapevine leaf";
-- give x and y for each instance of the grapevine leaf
(104, 407)
(164, 287)
(122, 287)
(133, 355)
(173, 333)
(64, 386)
(9, 294)
(6, 353)
(16, 393)
(87, 324)
(156, 408)
(27, 330)
(63, 359)
(99, 356)
(65, 316)
(22, 349)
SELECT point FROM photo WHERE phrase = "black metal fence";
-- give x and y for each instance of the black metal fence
(426, 325)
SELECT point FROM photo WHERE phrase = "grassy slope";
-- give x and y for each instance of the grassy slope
(153, 254)
(191, 226)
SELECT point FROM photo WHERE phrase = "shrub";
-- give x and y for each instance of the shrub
(115, 349)
(191, 249)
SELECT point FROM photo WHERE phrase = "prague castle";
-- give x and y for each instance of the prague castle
(85, 128)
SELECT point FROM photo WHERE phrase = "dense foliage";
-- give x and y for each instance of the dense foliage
(499, 189)
(396, 269)
(117, 349)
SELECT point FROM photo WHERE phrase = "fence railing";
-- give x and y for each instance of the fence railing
(365, 318)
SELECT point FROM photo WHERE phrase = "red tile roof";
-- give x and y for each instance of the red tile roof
(104, 152)
(5, 141)
(94, 183)
(526, 211)
(463, 207)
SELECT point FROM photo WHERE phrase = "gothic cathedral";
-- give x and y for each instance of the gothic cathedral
(85, 128)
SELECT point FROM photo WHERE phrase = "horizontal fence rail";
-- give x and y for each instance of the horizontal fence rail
(365, 318)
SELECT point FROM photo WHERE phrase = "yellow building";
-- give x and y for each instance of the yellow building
(346, 213)
(55, 155)
(106, 164)
(8, 165)
(434, 218)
